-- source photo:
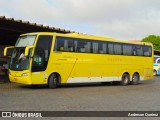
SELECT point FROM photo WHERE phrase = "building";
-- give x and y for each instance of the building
(10, 29)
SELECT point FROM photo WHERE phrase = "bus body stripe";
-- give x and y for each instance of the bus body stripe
(95, 79)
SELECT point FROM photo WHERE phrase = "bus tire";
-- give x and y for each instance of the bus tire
(154, 72)
(135, 79)
(125, 79)
(53, 81)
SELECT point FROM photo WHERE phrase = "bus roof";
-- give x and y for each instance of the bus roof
(86, 36)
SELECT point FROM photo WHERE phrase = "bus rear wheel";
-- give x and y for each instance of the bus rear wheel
(135, 79)
(53, 81)
(125, 79)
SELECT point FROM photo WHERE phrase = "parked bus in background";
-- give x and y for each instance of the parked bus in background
(156, 66)
(54, 59)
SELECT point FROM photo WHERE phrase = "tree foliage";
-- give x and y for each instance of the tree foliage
(155, 40)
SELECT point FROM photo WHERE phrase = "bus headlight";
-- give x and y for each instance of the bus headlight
(25, 74)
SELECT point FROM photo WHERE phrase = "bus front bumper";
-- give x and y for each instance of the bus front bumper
(20, 79)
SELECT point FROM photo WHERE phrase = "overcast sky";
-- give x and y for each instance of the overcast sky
(120, 19)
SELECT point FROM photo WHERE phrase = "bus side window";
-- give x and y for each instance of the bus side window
(88, 47)
(139, 50)
(76, 48)
(64, 44)
(68, 45)
(110, 48)
(134, 50)
(117, 49)
(59, 46)
(83, 46)
(147, 51)
(127, 49)
(95, 47)
(102, 49)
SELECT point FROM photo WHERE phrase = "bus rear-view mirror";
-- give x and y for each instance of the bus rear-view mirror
(8, 51)
(27, 51)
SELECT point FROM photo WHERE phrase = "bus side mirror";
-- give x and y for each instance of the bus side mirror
(8, 51)
(27, 50)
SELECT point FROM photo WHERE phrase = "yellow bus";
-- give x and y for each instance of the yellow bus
(54, 59)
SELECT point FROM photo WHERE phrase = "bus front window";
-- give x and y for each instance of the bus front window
(19, 62)
(24, 41)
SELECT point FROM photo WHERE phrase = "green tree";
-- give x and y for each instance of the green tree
(155, 40)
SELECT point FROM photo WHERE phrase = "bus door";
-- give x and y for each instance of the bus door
(40, 59)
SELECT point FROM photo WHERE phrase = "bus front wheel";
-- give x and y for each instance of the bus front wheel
(53, 81)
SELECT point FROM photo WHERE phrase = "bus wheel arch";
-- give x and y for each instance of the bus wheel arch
(135, 78)
(125, 80)
(54, 80)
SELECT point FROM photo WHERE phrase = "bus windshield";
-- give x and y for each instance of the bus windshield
(24, 41)
(18, 60)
